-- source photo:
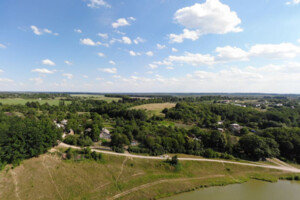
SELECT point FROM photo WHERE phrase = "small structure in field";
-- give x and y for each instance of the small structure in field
(105, 134)
(235, 128)
(134, 143)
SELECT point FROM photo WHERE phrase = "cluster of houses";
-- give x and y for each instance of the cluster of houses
(104, 134)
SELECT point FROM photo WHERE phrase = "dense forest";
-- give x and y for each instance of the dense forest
(198, 125)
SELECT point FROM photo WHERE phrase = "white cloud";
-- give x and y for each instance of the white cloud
(99, 79)
(68, 62)
(2, 46)
(90, 42)
(159, 46)
(132, 53)
(131, 18)
(48, 62)
(193, 59)
(169, 68)
(37, 80)
(38, 31)
(101, 54)
(120, 22)
(211, 17)
(187, 34)
(293, 2)
(282, 50)
(117, 76)
(174, 50)
(6, 80)
(69, 76)
(298, 40)
(138, 40)
(109, 70)
(149, 53)
(103, 35)
(85, 76)
(43, 71)
(229, 53)
(153, 66)
(1, 71)
(126, 40)
(78, 30)
(112, 62)
(98, 3)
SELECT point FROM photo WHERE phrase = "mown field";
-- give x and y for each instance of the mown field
(49, 177)
(96, 97)
(15, 101)
(154, 108)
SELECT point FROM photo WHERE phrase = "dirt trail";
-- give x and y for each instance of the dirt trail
(52, 178)
(14, 177)
(282, 168)
(122, 168)
(158, 182)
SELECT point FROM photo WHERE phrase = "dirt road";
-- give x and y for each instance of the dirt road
(281, 167)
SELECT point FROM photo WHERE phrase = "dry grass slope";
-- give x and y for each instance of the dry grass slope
(49, 177)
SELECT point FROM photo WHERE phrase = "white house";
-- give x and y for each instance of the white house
(105, 134)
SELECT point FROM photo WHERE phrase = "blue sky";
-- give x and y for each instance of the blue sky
(150, 46)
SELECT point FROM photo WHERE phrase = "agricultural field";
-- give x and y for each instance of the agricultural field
(96, 97)
(117, 177)
(154, 108)
(20, 101)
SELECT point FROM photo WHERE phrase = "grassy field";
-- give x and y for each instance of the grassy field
(96, 97)
(49, 177)
(14, 101)
(154, 108)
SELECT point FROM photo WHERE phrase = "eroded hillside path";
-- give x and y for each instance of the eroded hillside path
(280, 167)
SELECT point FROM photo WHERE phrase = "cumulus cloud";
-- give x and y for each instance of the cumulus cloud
(112, 62)
(68, 62)
(103, 35)
(101, 54)
(282, 50)
(109, 70)
(68, 76)
(37, 80)
(153, 66)
(120, 22)
(90, 42)
(132, 53)
(6, 80)
(174, 50)
(160, 46)
(48, 62)
(193, 59)
(149, 53)
(293, 2)
(43, 71)
(126, 40)
(169, 67)
(211, 17)
(39, 31)
(229, 53)
(138, 40)
(2, 46)
(78, 30)
(98, 3)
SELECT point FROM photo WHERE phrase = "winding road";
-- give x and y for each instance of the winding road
(287, 168)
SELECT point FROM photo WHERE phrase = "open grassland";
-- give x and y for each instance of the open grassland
(96, 97)
(154, 108)
(15, 101)
(116, 177)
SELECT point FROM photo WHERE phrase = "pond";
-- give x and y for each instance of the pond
(252, 190)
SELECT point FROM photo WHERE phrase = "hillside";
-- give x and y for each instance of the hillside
(116, 177)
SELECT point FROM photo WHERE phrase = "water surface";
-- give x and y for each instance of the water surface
(252, 190)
